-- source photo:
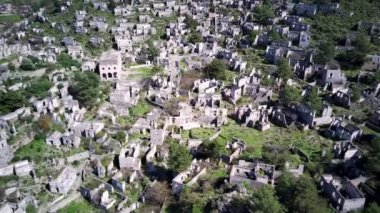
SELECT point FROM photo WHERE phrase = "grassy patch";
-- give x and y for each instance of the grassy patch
(6, 179)
(8, 59)
(38, 151)
(10, 18)
(141, 109)
(198, 133)
(141, 72)
(78, 206)
(309, 141)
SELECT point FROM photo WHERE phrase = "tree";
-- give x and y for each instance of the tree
(179, 157)
(157, 70)
(38, 88)
(10, 101)
(263, 13)
(11, 67)
(152, 51)
(372, 208)
(85, 88)
(306, 198)
(45, 123)
(362, 44)
(195, 37)
(214, 149)
(157, 193)
(252, 36)
(290, 94)
(27, 65)
(172, 106)
(284, 71)
(313, 99)
(327, 53)
(265, 199)
(285, 188)
(351, 59)
(191, 23)
(373, 157)
(300, 195)
(66, 61)
(216, 69)
(120, 136)
(259, 200)
(111, 5)
(355, 93)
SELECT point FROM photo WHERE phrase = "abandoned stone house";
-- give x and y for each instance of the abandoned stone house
(332, 77)
(47, 105)
(184, 118)
(57, 139)
(206, 100)
(343, 131)
(311, 117)
(306, 9)
(247, 85)
(255, 174)
(110, 66)
(125, 94)
(342, 98)
(346, 150)
(122, 11)
(344, 196)
(374, 121)
(189, 176)
(87, 129)
(76, 52)
(142, 126)
(21, 168)
(157, 136)
(65, 180)
(253, 117)
(4, 149)
(235, 148)
(213, 117)
(295, 171)
(98, 193)
(129, 157)
(208, 86)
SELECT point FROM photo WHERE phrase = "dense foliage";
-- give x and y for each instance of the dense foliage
(66, 61)
(216, 69)
(300, 195)
(290, 94)
(179, 157)
(85, 88)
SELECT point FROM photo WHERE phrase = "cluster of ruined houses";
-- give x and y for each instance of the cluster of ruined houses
(204, 106)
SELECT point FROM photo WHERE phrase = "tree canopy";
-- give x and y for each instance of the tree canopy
(284, 70)
(10, 101)
(179, 157)
(191, 23)
(27, 65)
(355, 92)
(216, 69)
(260, 200)
(214, 149)
(300, 195)
(66, 61)
(85, 88)
(263, 13)
(195, 37)
(313, 99)
(327, 53)
(290, 94)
